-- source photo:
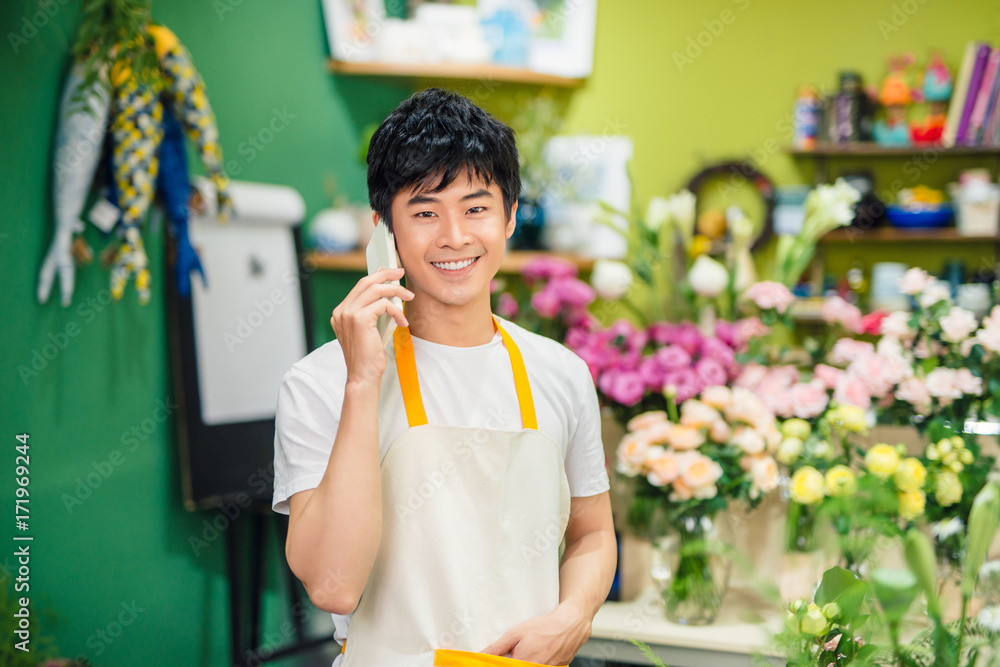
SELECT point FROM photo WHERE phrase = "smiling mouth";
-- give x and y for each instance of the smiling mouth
(455, 266)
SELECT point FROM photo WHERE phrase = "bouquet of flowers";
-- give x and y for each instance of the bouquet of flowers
(686, 465)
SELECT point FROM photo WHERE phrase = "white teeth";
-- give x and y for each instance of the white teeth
(453, 266)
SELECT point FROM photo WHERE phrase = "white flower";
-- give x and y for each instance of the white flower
(682, 206)
(898, 324)
(708, 277)
(915, 281)
(989, 618)
(837, 200)
(934, 293)
(611, 279)
(658, 213)
(942, 530)
(958, 325)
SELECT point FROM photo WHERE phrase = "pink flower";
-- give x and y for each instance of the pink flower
(746, 406)
(751, 375)
(663, 469)
(898, 324)
(942, 384)
(710, 372)
(769, 294)
(847, 350)
(897, 367)
(688, 337)
(809, 399)
(546, 303)
(507, 306)
(672, 358)
(872, 370)
(871, 323)
(548, 267)
(915, 281)
(661, 332)
(624, 387)
(576, 338)
(852, 391)
(764, 472)
(914, 391)
(720, 351)
(836, 310)
(685, 383)
(779, 402)
(989, 337)
(572, 292)
(828, 375)
(749, 328)
(957, 325)
(652, 373)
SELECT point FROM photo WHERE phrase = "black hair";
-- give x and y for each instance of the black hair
(429, 139)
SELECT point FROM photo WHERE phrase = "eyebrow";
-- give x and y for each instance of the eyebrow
(428, 199)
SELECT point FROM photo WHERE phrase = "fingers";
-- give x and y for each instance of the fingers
(380, 276)
(504, 645)
(45, 277)
(67, 276)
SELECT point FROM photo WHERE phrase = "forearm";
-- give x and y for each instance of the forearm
(587, 570)
(333, 543)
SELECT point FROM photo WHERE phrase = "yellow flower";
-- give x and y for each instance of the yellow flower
(796, 428)
(911, 504)
(882, 460)
(840, 482)
(947, 488)
(807, 486)
(789, 450)
(850, 417)
(814, 622)
(910, 475)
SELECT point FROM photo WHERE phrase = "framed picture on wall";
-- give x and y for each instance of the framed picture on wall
(563, 43)
(352, 27)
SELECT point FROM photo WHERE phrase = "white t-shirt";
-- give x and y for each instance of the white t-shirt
(460, 386)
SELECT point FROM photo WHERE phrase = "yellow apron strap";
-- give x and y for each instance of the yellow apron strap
(524, 398)
(452, 658)
(406, 368)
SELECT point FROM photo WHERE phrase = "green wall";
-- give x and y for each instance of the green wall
(129, 539)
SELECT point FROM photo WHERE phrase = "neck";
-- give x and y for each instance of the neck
(457, 326)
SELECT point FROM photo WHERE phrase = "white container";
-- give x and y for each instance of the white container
(977, 208)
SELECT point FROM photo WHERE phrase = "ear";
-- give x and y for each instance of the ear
(375, 218)
(512, 223)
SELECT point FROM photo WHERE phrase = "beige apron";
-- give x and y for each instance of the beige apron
(472, 521)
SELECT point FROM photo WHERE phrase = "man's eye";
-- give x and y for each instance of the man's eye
(477, 209)
(424, 214)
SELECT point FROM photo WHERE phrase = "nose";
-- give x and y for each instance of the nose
(454, 232)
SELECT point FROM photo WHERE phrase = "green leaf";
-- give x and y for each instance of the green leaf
(841, 586)
(895, 590)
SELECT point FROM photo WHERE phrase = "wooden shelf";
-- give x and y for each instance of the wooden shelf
(482, 72)
(513, 260)
(896, 235)
(874, 150)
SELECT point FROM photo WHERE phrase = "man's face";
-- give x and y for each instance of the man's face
(451, 242)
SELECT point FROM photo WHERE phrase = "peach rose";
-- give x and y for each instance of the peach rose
(716, 396)
(663, 470)
(836, 310)
(720, 432)
(749, 440)
(764, 472)
(700, 472)
(941, 383)
(914, 391)
(657, 433)
(646, 419)
(697, 414)
(681, 491)
(685, 437)
(746, 406)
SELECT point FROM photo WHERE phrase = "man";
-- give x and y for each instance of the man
(430, 482)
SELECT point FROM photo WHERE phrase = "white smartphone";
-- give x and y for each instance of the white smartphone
(381, 253)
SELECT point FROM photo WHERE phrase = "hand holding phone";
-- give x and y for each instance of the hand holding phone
(381, 253)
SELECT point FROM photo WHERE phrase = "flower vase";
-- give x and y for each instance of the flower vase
(690, 565)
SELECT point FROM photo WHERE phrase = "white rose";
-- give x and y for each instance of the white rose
(958, 325)
(935, 292)
(682, 206)
(611, 279)
(898, 324)
(708, 277)
(915, 281)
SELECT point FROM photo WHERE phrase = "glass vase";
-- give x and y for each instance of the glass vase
(690, 565)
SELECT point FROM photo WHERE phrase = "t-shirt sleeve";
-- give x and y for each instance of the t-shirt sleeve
(305, 427)
(585, 467)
